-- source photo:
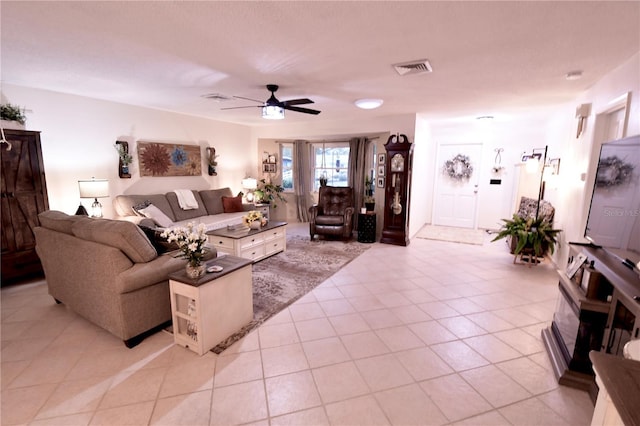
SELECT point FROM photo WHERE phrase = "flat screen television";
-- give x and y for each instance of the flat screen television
(614, 214)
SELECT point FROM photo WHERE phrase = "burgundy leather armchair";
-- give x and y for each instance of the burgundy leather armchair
(333, 215)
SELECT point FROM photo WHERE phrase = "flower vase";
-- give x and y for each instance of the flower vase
(255, 224)
(194, 272)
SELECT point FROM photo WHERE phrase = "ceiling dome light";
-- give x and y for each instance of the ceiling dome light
(272, 112)
(368, 103)
(573, 75)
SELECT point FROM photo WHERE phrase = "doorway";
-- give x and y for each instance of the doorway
(456, 185)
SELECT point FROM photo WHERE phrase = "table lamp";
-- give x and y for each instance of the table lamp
(250, 184)
(94, 188)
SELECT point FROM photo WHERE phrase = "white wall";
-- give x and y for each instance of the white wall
(78, 135)
(515, 134)
(580, 156)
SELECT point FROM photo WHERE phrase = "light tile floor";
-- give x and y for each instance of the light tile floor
(432, 333)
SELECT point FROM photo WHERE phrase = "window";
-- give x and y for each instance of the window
(331, 161)
(286, 154)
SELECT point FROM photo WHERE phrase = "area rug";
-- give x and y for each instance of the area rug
(280, 280)
(450, 233)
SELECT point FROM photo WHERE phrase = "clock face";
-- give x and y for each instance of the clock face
(397, 163)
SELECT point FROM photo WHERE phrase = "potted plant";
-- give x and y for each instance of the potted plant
(532, 235)
(10, 112)
(124, 156)
(369, 200)
(269, 193)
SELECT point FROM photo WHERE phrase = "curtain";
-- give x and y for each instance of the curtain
(301, 182)
(357, 170)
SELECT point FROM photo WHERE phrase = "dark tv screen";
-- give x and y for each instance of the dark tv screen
(614, 215)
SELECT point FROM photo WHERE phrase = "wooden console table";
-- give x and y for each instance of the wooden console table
(586, 320)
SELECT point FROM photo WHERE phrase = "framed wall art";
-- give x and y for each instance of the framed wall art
(380, 170)
(168, 159)
(380, 182)
(382, 158)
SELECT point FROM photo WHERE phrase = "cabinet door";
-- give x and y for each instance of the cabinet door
(24, 195)
(621, 327)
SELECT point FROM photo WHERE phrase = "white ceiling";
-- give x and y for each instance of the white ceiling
(487, 57)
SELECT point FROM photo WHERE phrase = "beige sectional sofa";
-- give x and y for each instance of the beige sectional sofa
(109, 272)
(210, 211)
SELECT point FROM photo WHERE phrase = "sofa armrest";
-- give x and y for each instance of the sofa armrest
(248, 206)
(348, 217)
(142, 275)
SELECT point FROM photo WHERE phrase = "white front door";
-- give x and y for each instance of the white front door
(456, 185)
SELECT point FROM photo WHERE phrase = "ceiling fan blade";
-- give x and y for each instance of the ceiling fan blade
(297, 102)
(249, 99)
(303, 110)
(251, 106)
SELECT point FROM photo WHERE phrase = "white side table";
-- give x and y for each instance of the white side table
(208, 310)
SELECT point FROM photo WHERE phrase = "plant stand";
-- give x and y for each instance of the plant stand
(526, 257)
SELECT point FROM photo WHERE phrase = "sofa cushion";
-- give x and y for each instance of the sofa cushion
(181, 214)
(120, 234)
(212, 199)
(233, 204)
(123, 204)
(152, 212)
(59, 221)
(143, 205)
(159, 243)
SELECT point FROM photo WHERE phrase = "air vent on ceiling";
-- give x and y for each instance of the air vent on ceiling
(217, 97)
(413, 67)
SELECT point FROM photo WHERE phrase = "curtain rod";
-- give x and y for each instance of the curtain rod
(328, 141)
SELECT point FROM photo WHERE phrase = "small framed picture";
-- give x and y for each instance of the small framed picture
(576, 264)
(382, 158)
(380, 182)
(380, 170)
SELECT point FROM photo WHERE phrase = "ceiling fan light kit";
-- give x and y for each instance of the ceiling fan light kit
(368, 103)
(272, 112)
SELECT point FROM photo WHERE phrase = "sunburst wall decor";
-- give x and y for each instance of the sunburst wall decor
(166, 159)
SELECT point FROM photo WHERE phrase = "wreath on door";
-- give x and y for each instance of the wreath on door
(458, 168)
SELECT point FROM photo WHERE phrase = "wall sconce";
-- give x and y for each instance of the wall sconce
(497, 167)
(250, 184)
(94, 188)
(582, 112)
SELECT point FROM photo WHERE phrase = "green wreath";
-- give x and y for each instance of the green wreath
(458, 168)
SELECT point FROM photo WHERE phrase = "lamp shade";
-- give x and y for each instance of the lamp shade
(94, 188)
(250, 183)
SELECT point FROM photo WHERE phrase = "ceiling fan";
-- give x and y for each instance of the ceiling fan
(274, 109)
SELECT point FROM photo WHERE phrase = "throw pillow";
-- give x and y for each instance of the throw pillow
(152, 212)
(137, 207)
(233, 204)
(160, 244)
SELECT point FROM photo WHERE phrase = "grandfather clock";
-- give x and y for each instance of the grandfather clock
(397, 190)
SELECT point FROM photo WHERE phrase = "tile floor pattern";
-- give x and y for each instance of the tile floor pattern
(434, 333)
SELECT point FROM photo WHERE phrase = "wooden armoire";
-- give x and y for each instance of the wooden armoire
(24, 195)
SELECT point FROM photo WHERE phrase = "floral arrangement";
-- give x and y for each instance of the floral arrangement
(124, 156)
(254, 216)
(191, 241)
(459, 168)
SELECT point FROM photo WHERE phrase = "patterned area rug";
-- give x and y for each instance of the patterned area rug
(449, 233)
(280, 280)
